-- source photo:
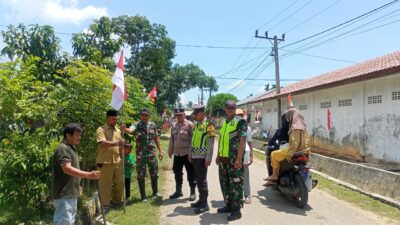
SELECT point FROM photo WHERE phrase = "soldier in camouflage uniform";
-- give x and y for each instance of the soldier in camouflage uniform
(230, 160)
(147, 139)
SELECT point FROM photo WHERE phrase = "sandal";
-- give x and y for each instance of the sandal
(269, 184)
(271, 179)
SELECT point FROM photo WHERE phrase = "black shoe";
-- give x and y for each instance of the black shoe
(235, 215)
(175, 195)
(202, 208)
(196, 204)
(225, 209)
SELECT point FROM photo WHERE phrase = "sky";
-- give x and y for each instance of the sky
(225, 30)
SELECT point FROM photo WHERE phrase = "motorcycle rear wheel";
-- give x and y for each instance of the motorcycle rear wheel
(302, 198)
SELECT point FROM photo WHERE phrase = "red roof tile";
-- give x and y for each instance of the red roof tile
(374, 68)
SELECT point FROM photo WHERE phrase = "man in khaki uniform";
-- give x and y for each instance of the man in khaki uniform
(109, 161)
(179, 147)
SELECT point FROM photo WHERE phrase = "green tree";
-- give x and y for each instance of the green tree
(150, 56)
(27, 141)
(35, 41)
(217, 103)
(98, 45)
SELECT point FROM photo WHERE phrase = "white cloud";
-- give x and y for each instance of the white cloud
(52, 11)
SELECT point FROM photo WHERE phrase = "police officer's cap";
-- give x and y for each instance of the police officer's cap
(145, 111)
(112, 112)
(230, 104)
(198, 108)
(179, 111)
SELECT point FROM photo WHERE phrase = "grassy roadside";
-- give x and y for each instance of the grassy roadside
(358, 199)
(143, 213)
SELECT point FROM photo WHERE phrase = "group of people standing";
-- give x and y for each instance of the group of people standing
(191, 145)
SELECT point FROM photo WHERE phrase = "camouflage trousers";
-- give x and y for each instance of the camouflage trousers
(231, 181)
(151, 162)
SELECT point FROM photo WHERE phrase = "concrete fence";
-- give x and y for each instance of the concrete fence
(365, 178)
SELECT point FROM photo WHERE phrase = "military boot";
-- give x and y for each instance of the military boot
(154, 186)
(203, 206)
(196, 204)
(225, 209)
(177, 194)
(142, 190)
(235, 215)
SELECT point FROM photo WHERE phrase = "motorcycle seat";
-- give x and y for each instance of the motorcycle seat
(306, 151)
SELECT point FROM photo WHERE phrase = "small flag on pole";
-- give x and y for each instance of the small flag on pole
(119, 86)
(153, 94)
(290, 100)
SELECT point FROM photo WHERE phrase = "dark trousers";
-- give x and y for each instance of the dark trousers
(127, 188)
(200, 171)
(179, 162)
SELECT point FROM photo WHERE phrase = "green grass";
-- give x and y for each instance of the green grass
(144, 213)
(356, 198)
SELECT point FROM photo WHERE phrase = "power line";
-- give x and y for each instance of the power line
(341, 24)
(248, 76)
(337, 37)
(277, 15)
(312, 17)
(256, 79)
(319, 57)
(286, 18)
(218, 47)
(243, 64)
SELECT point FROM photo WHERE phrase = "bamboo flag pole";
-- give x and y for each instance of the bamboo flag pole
(123, 161)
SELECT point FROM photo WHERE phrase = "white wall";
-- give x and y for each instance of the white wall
(374, 129)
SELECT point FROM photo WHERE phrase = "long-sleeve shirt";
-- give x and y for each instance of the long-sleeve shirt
(181, 137)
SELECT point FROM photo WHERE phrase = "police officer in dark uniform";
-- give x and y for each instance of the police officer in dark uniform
(201, 155)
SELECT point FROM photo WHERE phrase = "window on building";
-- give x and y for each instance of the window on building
(275, 110)
(377, 99)
(268, 110)
(396, 95)
(303, 107)
(345, 102)
(325, 105)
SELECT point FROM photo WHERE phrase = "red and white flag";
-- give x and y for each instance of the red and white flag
(153, 94)
(329, 119)
(119, 87)
(290, 100)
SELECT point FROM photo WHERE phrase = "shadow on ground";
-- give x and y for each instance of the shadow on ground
(275, 201)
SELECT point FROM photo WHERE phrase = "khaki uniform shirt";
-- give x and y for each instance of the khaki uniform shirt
(181, 138)
(111, 154)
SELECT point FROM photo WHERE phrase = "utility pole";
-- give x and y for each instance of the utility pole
(209, 98)
(202, 97)
(275, 43)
